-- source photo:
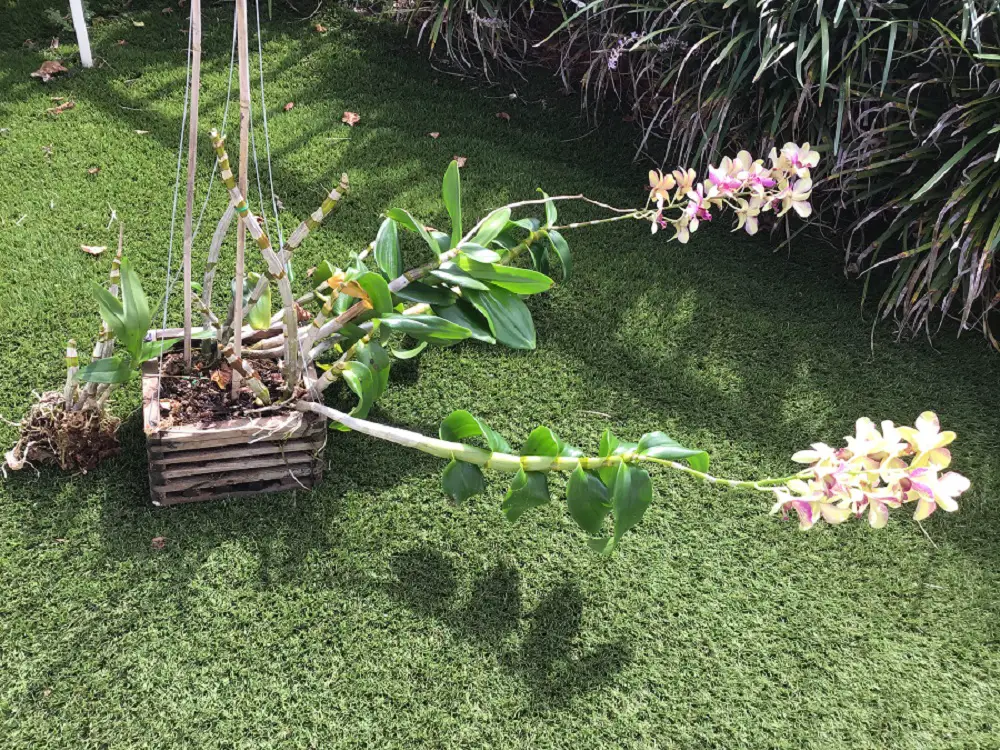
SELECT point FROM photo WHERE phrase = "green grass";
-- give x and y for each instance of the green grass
(371, 612)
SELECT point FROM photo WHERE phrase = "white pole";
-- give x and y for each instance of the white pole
(82, 38)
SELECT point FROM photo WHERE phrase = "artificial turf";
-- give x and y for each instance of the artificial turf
(374, 613)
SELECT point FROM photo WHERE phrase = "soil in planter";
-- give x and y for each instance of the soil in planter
(203, 394)
(71, 440)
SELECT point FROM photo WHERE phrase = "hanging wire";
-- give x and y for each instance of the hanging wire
(267, 136)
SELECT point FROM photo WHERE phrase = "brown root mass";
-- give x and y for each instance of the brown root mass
(71, 440)
(203, 393)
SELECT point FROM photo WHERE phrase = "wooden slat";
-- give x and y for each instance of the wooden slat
(193, 496)
(232, 478)
(241, 465)
(160, 457)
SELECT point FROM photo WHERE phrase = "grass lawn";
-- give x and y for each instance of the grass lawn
(373, 613)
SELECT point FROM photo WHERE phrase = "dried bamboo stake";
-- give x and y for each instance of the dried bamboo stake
(191, 168)
(72, 366)
(275, 268)
(243, 65)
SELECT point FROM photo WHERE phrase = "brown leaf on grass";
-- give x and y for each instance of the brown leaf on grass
(138, 24)
(320, 28)
(57, 98)
(55, 111)
(48, 69)
(311, 271)
(167, 10)
(93, 249)
(54, 44)
(93, 170)
(461, 160)
(289, 106)
(222, 378)
(141, 132)
(503, 116)
(29, 43)
(121, 42)
(351, 118)
(158, 542)
(47, 150)
(434, 135)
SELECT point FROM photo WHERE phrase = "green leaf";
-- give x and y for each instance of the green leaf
(508, 316)
(378, 361)
(323, 271)
(460, 425)
(111, 310)
(480, 253)
(409, 353)
(612, 446)
(531, 224)
(259, 316)
(493, 225)
(528, 490)
(377, 290)
(451, 191)
(442, 239)
(153, 349)
(602, 545)
(561, 248)
(518, 280)
(946, 167)
(551, 214)
(135, 310)
(107, 370)
(455, 276)
(429, 328)
(631, 495)
(388, 256)
(463, 313)
(360, 379)
(405, 220)
(417, 291)
(587, 500)
(658, 445)
(541, 442)
(461, 480)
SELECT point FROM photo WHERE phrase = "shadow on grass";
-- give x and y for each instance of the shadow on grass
(541, 645)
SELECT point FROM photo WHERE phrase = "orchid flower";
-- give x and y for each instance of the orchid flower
(928, 442)
(660, 185)
(796, 197)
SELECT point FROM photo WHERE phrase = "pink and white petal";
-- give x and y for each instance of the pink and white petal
(878, 514)
(928, 422)
(806, 513)
(802, 208)
(833, 514)
(924, 508)
(939, 458)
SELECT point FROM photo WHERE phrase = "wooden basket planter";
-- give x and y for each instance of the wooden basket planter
(193, 462)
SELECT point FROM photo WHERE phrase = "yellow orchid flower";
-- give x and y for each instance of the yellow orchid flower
(928, 441)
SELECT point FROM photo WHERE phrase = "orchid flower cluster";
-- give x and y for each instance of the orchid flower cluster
(741, 183)
(872, 474)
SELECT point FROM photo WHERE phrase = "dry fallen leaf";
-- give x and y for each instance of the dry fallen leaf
(435, 135)
(29, 43)
(54, 44)
(141, 132)
(93, 249)
(47, 150)
(461, 160)
(57, 98)
(221, 378)
(351, 118)
(289, 106)
(159, 542)
(311, 271)
(320, 28)
(166, 10)
(61, 540)
(93, 170)
(503, 116)
(54, 111)
(47, 692)
(121, 42)
(628, 118)
(48, 69)
(139, 24)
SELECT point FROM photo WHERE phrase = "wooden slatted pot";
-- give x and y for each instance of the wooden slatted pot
(237, 457)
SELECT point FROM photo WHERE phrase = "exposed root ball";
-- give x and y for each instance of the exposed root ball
(71, 440)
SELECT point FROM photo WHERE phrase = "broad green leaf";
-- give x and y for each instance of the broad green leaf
(259, 315)
(135, 310)
(601, 545)
(539, 258)
(480, 253)
(409, 353)
(417, 291)
(518, 280)
(508, 316)
(324, 271)
(612, 446)
(460, 425)
(404, 219)
(107, 370)
(377, 290)
(531, 224)
(388, 256)
(153, 349)
(541, 442)
(429, 328)
(453, 275)
(442, 239)
(551, 214)
(631, 495)
(561, 248)
(375, 356)
(658, 445)
(528, 490)
(466, 315)
(493, 225)
(111, 311)
(946, 167)
(451, 191)
(360, 379)
(461, 480)
(587, 501)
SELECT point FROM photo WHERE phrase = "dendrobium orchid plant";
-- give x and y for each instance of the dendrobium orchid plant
(473, 288)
